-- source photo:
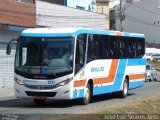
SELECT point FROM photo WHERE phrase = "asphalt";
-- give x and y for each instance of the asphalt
(25, 109)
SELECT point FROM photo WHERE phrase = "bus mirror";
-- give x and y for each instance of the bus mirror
(9, 47)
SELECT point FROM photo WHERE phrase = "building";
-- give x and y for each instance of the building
(15, 15)
(54, 15)
(88, 5)
(142, 16)
(103, 8)
(112, 15)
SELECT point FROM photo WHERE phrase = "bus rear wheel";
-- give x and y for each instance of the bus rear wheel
(87, 95)
(124, 92)
(39, 101)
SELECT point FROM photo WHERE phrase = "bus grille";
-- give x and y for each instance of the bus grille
(41, 87)
(47, 94)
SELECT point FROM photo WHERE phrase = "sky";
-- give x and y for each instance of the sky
(116, 1)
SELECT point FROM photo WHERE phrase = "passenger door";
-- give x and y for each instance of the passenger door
(80, 52)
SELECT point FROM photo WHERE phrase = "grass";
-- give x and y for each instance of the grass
(147, 105)
(140, 106)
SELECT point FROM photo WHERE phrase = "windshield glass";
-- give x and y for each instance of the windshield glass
(149, 54)
(44, 55)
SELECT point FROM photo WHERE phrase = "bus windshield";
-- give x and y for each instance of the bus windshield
(44, 56)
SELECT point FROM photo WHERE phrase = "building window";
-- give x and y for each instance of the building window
(27, 1)
(60, 2)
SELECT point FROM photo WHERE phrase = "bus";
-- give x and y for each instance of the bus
(77, 63)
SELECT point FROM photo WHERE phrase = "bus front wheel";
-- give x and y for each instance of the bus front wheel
(39, 101)
(87, 95)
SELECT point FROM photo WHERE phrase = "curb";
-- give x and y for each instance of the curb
(7, 92)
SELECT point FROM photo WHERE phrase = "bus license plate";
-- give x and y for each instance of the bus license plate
(41, 97)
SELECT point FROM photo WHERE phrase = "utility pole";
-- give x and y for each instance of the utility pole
(122, 16)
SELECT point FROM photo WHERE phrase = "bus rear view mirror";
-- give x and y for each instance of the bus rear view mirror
(9, 47)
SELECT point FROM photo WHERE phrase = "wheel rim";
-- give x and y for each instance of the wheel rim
(87, 94)
(125, 88)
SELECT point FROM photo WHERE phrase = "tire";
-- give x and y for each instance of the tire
(155, 79)
(124, 92)
(148, 60)
(87, 95)
(39, 101)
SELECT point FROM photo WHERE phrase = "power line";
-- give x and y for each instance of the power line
(129, 5)
(140, 21)
(146, 10)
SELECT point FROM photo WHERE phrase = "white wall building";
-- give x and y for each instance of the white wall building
(7, 61)
(142, 16)
(53, 15)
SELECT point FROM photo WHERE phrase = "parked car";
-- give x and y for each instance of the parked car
(155, 56)
(151, 74)
(148, 56)
(158, 75)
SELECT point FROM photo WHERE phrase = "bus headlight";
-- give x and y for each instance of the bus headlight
(20, 82)
(64, 82)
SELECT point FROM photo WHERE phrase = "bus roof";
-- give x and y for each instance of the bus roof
(66, 32)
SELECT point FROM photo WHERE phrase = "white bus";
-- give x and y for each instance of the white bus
(77, 63)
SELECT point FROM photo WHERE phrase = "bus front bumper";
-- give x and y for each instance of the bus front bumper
(60, 92)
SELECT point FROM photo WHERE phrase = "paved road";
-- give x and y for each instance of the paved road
(26, 106)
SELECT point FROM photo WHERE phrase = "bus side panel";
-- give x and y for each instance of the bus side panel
(136, 71)
(96, 69)
(118, 79)
(133, 85)
(78, 88)
(121, 73)
(107, 81)
(79, 93)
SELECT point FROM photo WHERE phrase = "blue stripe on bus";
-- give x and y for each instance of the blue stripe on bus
(117, 82)
(101, 32)
(76, 33)
(126, 34)
(138, 36)
(66, 34)
(132, 35)
(78, 93)
(46, 34)
(134, 62)
(136, 84)
(120, 74)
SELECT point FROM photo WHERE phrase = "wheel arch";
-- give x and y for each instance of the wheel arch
(91, 84)
(127, 77)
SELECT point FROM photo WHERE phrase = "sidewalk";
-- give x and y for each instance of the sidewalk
(6, 92)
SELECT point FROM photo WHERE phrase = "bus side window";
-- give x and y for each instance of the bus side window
(140, 47)
(89, 53)
(80, 52)
(92, 48)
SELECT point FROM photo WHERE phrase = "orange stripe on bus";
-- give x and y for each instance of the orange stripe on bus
(118, 33)
(79, 83)
(112, 74)
(136, 76)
